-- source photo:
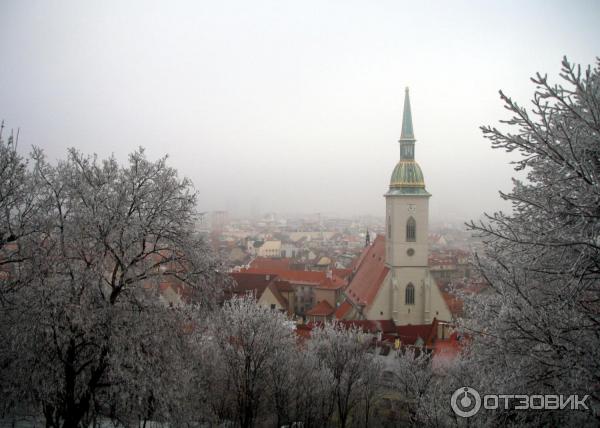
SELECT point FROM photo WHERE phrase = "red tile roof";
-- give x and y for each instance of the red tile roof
(371, 326)
(294, 276)
(284, 286)
(455, 304)
(370, 274)
(298, 276)
(342, 310)
(332, 284)
(257, 283)
(409, 334)
(342, 273)
(322, 309)
(265, 263)
(357, 262)
(250, 282)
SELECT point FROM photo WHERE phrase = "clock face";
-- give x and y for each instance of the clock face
(412, 208)
(410, 251)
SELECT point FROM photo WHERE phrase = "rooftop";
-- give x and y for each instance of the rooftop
(322, 309)
(370, 274)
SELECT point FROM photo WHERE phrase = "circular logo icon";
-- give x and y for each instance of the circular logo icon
(465, 402)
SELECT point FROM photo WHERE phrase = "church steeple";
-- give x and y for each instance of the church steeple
(407, 136)
(407, 177)
(407, 126)
(407, 223)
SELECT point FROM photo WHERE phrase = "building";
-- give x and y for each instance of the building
(392, 279)
(310, 288)
(449, 265)
(322, 312)
(268, 290)
(270, 249)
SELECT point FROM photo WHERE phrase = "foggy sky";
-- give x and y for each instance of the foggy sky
(287, 106)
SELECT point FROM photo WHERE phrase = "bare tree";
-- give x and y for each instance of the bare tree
(343, 352)
(425, 391)
(371, 387)
(18, 210)
(89, 320)
(251, 342)
(537, 331)
(313, 394)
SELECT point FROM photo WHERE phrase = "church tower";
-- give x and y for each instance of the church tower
(407, 226)
(392, 279)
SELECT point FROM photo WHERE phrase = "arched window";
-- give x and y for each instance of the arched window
(411, 230)
(409, 295)
(389, 227)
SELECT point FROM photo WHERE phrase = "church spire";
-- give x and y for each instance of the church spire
(407, 136)
(407, 178)
(407, 126)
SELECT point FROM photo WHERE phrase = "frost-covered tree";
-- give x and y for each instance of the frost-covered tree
(413, 378)
(252, 350)
(255, 372)
(18, 211)
(343, 354)
(12, 194)
(538, 330)
(371, 389)
(313, 394)
(87, 334)
(424, 389)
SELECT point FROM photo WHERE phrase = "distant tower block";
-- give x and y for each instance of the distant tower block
(219, 219)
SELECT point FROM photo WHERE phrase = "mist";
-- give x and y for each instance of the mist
(287, 106)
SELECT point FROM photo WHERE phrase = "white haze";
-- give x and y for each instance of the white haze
(286, 106)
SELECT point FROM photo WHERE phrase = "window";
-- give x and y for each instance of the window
(272, 306)
(389, 227)
(409, 295)
(411, 230)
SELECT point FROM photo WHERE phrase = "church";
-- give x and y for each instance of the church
(391, 278)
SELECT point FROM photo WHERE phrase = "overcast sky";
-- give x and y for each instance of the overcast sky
(287, 106)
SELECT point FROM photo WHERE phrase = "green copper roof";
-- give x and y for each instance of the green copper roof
(407, 127)
(407, 174)
(407, 177)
